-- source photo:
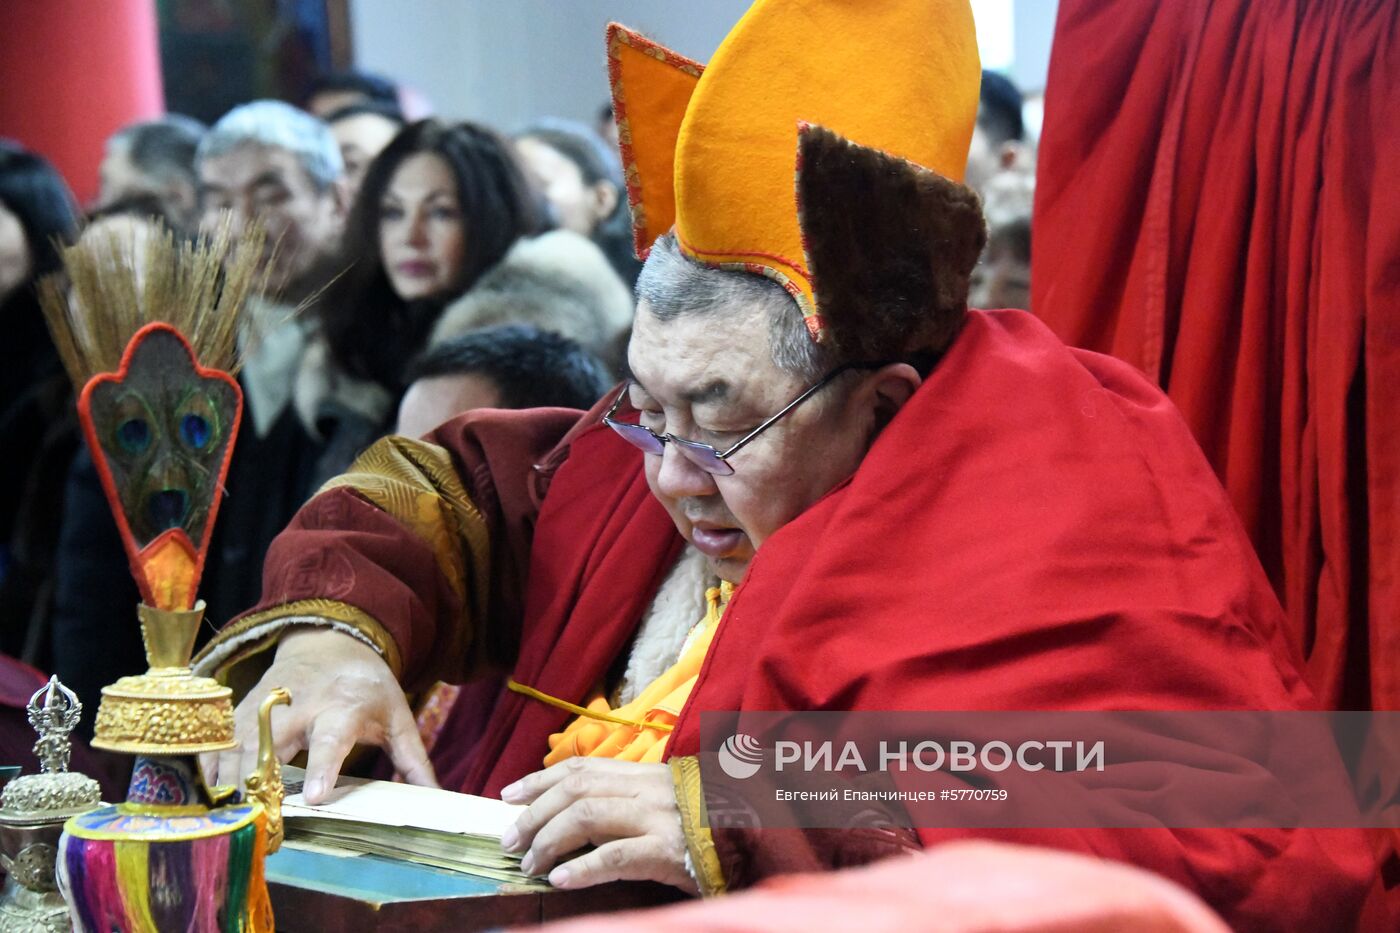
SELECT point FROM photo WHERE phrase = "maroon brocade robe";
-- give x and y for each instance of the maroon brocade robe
(1035, 530)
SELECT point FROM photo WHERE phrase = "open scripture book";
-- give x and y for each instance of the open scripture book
(422, 825)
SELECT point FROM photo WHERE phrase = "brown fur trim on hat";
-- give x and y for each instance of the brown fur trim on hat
(890, 246)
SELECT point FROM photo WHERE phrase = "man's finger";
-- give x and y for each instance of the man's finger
(229, 764)
(225, 768)
(589, 821)
(405, 748)
(332, 737)
(247, 764)
(287, 746)
(234, 765)
(531, 786)
(209, 767)
(634, 859)
(574, 785)
(288, 733)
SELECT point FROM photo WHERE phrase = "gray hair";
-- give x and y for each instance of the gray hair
(673, 285)
(161, 148)
(277, 125)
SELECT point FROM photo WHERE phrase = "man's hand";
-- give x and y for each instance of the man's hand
(628, 810)
(343, 694)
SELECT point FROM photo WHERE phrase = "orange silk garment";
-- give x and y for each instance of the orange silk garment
(651, 716)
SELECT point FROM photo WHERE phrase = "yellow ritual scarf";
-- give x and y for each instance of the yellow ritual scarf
(640, 730)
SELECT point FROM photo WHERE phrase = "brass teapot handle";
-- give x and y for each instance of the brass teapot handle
(265, 783)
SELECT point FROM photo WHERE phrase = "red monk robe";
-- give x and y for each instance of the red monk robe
(1034, 530)
(1218, 203)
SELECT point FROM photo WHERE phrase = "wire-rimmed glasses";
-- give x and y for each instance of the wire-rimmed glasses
(705, 456)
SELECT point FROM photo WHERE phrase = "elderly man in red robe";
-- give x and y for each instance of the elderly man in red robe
(827, 486)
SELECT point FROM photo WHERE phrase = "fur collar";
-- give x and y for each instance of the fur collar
(558, 281)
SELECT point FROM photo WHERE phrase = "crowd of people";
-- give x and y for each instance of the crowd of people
(416, 270)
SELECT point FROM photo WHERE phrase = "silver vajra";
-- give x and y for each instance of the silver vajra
(54, 711)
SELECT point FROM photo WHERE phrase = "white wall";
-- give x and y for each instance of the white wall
(505, 62)
(1035, 27)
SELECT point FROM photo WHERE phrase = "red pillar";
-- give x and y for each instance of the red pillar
(71, 72)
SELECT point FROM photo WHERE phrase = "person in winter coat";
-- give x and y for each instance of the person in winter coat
(36, 213)
(440, 241)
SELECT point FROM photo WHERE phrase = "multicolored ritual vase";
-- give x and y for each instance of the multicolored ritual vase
(148, 333)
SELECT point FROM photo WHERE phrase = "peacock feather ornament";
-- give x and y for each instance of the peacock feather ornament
(148, 329)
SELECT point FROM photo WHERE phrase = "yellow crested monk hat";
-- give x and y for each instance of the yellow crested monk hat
(823, 147)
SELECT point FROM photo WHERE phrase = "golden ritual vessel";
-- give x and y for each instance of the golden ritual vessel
(168, 710)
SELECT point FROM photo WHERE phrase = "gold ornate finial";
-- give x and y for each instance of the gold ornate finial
(167, 710)
(265, 783)
(169, 634)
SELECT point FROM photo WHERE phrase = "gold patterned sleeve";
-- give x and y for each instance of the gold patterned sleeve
(702, 858)
(394, 552)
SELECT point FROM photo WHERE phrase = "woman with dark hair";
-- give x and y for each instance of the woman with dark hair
(37, 214)
(440, 241)
(438, 207)
(580, 178)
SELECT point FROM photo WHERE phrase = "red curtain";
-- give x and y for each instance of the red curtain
(71, 72)
(1218, 203)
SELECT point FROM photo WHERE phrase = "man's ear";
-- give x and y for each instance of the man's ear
(889, 388)
(605, 195)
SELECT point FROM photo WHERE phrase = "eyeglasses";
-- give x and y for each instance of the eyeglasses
(705, 456)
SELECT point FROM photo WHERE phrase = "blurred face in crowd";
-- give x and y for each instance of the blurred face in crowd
(422, 236)
(266, 183)
(16, 260)
(1002, 279)
(988, 160)
(361, 138)
(328, 102)
(130, 235)
(432, 401)
(575, 204)
(119, 178)
(126, 229)
(713, 380)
